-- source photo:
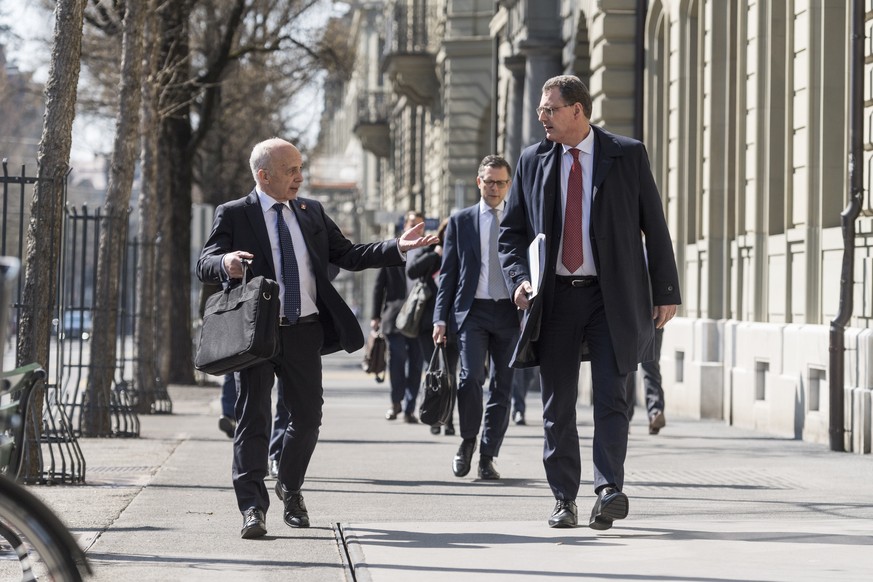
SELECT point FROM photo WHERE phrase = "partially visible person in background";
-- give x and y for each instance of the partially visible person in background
(652, 386)
(424, 264)
(227, 420)
(523, 381)
(404, 353)
(281, 418)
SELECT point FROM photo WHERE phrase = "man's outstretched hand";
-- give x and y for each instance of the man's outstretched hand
(412, 238)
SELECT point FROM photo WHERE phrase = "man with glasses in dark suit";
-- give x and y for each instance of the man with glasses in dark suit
(592, 195)
(473, 302)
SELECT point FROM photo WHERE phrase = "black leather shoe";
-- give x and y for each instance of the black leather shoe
(435, 429)
(227, 425)
(450, 430)
(462, 460)
(274, 468)
(295, 514)
(518, 418)
(656, 422)
(487, 470)
(254, 524)
(565, 514)
(611, 504)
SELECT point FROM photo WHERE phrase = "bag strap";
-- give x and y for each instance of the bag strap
(380, 376)
(246, 276)
(247, 272)
(435, 357)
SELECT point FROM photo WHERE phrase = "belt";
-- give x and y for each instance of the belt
(311, 318)
(583, 281)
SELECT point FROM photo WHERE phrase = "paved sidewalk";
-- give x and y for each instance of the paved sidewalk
(707, 502)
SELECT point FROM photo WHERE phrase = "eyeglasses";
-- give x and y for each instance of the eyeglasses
(498, 183)
(549, 111)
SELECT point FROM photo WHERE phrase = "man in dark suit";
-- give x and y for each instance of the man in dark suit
(293, 241)
(473, 302)
(593, 196)
(404, 354)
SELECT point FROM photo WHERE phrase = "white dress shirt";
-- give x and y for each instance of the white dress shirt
(485, 242)
(301, 253)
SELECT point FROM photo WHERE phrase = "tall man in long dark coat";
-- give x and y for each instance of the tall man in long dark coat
(608, 277)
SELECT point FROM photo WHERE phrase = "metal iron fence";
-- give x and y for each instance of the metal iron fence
(66, 387)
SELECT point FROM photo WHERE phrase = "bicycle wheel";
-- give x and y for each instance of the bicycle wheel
(43, 546)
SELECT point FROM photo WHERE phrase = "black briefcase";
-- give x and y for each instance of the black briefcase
(375, 355)
(240, 327)
(438, 385)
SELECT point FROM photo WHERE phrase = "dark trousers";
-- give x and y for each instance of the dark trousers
(299, 369)
(404, 369)
(651, 382)
(578, 315)
(280, 419)
(490, 327)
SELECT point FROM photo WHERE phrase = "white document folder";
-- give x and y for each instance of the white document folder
(536, 260)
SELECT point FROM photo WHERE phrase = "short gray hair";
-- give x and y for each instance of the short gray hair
(262, 154)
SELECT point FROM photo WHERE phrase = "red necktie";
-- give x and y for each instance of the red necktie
(571, 255)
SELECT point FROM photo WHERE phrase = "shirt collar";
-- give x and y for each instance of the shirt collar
(585, 146)
(484, 208)
(266, 200)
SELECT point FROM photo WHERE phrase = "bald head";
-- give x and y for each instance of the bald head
(277, 167)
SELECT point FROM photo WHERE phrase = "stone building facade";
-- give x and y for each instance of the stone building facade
(745, 108)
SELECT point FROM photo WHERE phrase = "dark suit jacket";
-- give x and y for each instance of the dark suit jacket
(240, 226)
(459, 272)
(422, 265)
(626, 205)
(389, 292)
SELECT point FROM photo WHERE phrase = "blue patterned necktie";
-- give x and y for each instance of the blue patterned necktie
(496, 284)
(290, 274)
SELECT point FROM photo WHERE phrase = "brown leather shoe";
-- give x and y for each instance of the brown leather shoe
(657, 421)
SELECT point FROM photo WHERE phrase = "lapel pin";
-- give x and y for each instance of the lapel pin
(303, 206)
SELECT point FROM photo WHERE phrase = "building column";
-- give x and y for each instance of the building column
(542, 62)
(514, 108)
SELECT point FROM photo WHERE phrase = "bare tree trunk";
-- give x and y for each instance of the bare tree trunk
(175, 159)
(146, 331)
(113, 234)
(44, 231)
(176, 138)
